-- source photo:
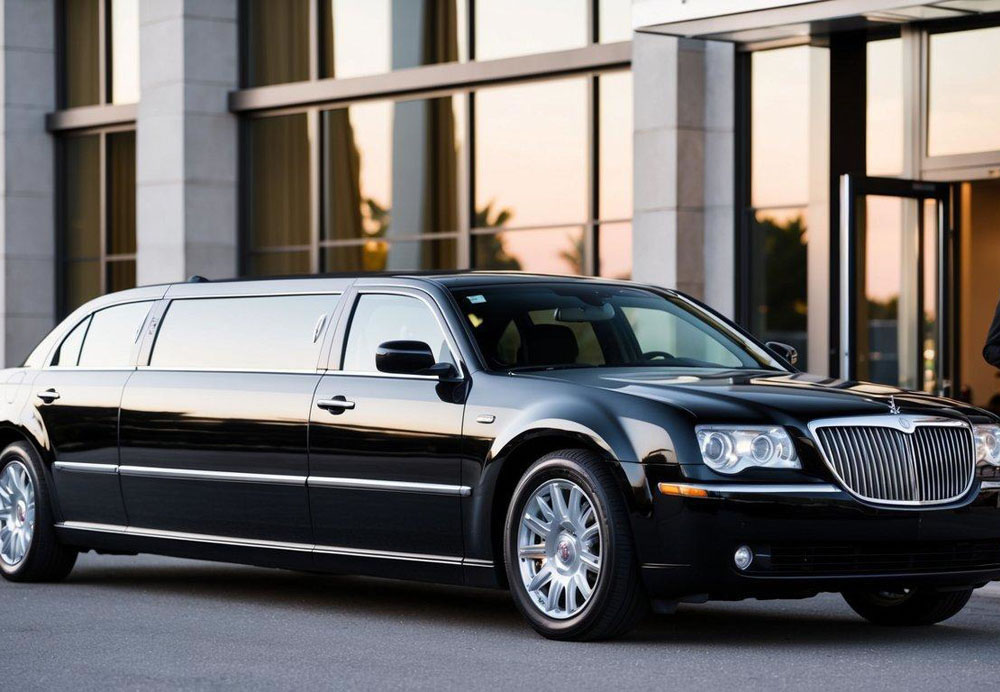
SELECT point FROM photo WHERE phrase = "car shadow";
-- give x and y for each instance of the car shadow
(778, 624)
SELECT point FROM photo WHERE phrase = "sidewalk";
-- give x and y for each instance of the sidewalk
(992, 590)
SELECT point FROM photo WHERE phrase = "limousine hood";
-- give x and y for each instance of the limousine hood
(760, 395)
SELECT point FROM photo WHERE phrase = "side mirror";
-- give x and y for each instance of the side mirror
(410, 358)
(788, 353)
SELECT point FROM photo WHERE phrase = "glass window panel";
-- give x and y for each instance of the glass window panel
(546, 251)
(779, 117)
(279, 181)
(588, 348)
(381, 318)
(615, 118)
(277, 35)
(964, 92)
(68, 354)
(82, 196)
(365, 37)
(121, 193)
(531, 153)
(112, 334)
(885, 107)
(124, 51)
(81, 282)
(121, 275)
(279, 263)
(391, 169)
(615, 20)
(615, 250)
(778, 298)
(225, 333)
(659, 331)
(380, 255)
(523, 27)
(80, 55)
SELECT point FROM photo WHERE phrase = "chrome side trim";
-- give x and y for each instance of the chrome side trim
(84, 467)
(392, 486)
(760, 488)
(197, 474)
(274, 545)
(475, 562)
(990, 485)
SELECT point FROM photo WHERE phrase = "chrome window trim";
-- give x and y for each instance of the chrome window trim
(235, 541)
(391, 486)
(198, 474)
(905, 423)
(222, 371)
(85, 467)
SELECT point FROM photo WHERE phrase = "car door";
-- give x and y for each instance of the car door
(76, 398)
(214, 429)
(385, 470)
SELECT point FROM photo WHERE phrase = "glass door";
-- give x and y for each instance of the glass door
(895, 283)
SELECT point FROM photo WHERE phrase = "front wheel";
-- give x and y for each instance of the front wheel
(907, 607)
(568, 550)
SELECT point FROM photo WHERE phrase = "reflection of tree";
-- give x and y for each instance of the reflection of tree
(490, 250)
(377, 218)
(883, 309)
(782, 249)
(573, 256)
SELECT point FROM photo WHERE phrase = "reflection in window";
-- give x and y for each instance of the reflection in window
(544, 251)
(615, 145)
(365, 37)
(279, 193)
(779, 281)
(381, 318)
(884, 120)
(381, 255)
(531, 151)
(524, 27)
(614, 250)
(81, 53)
(112, 335)
(277, 42)
(964, 92)
(124, 51)
(615, 20)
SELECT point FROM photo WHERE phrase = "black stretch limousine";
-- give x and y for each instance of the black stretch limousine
(595, 446)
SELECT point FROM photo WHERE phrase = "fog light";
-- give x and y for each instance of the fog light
(743, 557)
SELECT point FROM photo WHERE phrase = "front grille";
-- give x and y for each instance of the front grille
(876, 557)
(928, 463)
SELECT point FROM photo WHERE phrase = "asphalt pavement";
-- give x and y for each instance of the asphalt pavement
(159, 623)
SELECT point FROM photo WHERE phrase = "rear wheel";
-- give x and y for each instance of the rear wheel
(568, 550)
(907, 607)
(29, 550)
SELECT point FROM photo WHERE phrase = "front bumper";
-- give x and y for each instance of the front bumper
(808, 539)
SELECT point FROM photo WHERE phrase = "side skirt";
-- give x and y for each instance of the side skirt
(304, 556)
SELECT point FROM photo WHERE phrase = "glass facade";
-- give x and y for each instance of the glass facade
(99, 52)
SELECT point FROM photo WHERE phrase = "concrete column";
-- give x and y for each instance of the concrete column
(186, 139)
(27, 220)
(683, 219)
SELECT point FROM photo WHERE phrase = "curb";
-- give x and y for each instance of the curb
(991, 590)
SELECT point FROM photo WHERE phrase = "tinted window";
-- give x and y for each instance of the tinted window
(112, 334)
(586, 325)
(381, 318)
(260, 333)
(68, 354)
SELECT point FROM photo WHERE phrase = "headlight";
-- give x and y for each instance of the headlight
(730, 449)
(987, 444)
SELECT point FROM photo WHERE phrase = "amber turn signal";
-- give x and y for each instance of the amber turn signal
(682, 490)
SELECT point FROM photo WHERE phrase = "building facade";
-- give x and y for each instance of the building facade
(826, 172)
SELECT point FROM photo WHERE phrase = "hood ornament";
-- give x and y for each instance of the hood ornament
(893, 408)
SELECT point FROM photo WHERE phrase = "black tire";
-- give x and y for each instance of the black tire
(46, 559)
(916, 607)
(618, 601)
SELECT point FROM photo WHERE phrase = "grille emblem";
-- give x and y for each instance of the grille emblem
(893, 409)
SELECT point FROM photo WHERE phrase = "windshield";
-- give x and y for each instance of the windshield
(548, 326)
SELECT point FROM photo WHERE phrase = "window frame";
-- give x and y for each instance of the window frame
(323, 338)
(337, 355)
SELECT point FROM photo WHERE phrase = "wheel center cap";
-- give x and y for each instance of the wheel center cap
(20, 514)
(565, 552)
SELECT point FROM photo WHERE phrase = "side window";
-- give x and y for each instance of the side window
(254, 333)
(68, 353)
(660, 331)
(379, 318)
(112, 334)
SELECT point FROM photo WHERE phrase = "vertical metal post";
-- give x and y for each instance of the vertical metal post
(847, 262)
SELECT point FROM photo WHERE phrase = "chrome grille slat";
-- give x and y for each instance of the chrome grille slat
(894, 460)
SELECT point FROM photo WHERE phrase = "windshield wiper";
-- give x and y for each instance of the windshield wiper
(537, 368)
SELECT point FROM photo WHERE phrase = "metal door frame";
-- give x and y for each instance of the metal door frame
(852, 189)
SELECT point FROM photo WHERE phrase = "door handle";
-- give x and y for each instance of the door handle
(336, 405)
(48, 396)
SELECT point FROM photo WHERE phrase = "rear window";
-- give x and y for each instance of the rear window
(253, 333)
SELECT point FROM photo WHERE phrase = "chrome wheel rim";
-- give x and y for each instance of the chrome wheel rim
(559, 548)
(17, 513)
